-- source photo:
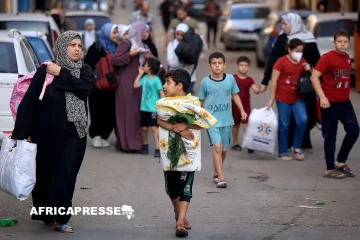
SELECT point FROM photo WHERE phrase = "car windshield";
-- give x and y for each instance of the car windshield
(78, 22)
(327, 29)
(8, 62)
(40, 49)
(249, 13)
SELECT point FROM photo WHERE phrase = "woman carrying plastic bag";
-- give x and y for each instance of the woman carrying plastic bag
(17, 168)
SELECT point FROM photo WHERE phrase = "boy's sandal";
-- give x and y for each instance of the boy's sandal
(221, 184)
(236, 147)
(216, 179)
(187, 225)
(334, 174)
(299, 154)
(285, 157)
(346, 170)
(181, 231)
(64, 229)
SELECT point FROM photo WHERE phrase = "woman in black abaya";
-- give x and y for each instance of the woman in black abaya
(58, 125)
(293, 27)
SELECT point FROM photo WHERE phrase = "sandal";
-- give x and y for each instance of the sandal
(345, 170)
(187, 225)
(236, 147)
(334, 174)
(64, 228)
(221, 184)
(285, 157)
(298, 154)
(216, 179)
(181, 231)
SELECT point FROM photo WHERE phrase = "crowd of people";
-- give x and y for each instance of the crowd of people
(146, 96)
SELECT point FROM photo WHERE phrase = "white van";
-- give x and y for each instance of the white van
(17, 59)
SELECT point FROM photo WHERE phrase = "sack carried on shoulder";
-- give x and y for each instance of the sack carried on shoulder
(190, 48)
(105, 76)
(304, 84)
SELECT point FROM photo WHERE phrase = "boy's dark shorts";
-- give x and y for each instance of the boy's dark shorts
(148, 119)
(179, 185)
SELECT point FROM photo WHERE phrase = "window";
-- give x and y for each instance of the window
(328, 28)
(40, 49)
(249, 13)
(8, 62)
(78, 22)
(29, 62)
(42, 27)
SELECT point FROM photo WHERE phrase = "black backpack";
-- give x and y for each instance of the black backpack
(190, 48)
(304, 84)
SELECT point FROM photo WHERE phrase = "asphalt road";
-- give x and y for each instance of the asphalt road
(259, 203)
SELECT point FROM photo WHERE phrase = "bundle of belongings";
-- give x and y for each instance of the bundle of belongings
(176, 152)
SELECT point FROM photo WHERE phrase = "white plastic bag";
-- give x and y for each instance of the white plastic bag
(172, 58)
(261, 131)
(17, 168)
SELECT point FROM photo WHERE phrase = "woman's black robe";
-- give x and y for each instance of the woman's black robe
(311, 55)
(60, 150)
(101, 104)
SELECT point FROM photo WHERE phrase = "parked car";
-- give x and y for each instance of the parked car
(244, 24)
(43, 23)
(40, 46)
(76, 20)
(197, 7)
(269, 33)
(17, 59)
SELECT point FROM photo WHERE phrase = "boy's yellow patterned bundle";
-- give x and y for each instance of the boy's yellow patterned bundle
(178, 153)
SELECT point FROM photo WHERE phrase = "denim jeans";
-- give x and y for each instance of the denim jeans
(284, 115)
(343, 112)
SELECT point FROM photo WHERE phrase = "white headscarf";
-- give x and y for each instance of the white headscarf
(182, 27)
(122, 30)
(297, 28)
(90, 37)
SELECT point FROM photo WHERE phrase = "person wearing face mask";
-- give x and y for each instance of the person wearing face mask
(286, 72)
(293, 27)
(102, 104)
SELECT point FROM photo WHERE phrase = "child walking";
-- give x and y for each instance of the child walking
(334, 94)
(180, 118)
(216, 92)
(149, 79)
(244, 83)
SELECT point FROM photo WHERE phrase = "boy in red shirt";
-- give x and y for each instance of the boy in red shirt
(334, 94)
(244, 83)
